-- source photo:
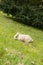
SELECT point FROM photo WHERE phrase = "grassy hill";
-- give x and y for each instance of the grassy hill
(14, 52)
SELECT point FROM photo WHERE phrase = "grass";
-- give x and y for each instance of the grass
(14, 52)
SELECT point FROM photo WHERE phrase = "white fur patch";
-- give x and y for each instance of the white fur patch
(23, 37)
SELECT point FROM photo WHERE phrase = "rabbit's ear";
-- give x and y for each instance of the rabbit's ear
(17, 35)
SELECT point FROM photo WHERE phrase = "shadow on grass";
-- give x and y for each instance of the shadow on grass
(23, 23)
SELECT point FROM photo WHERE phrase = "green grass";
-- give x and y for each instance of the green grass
(13, 51)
